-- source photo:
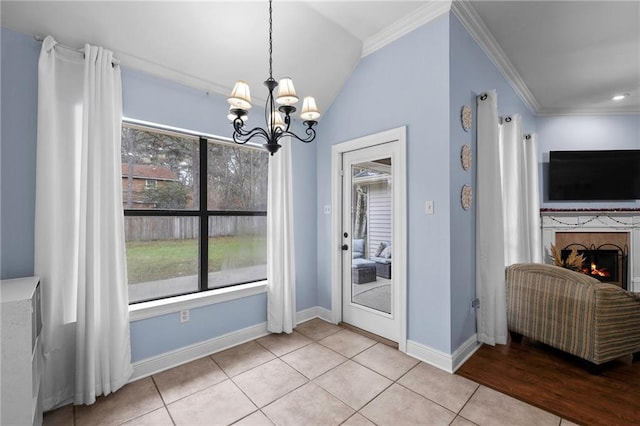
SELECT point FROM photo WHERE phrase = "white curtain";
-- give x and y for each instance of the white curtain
(281, 294)
(533, 197)
(508, 212)
(490, 288)
(514, 192)
(79, 235)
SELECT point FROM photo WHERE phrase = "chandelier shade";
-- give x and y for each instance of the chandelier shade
(310, 111)
(286, 92)
(240, 96)
(278, 119)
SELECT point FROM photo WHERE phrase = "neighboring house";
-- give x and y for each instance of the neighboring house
(138, 178)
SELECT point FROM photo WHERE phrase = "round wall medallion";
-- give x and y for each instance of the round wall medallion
(466, 196)
(465, 157)
(465, 117)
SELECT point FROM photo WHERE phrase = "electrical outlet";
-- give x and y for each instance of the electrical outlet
(327, 209)
(184, 315)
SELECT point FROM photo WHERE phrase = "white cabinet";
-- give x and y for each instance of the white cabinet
(21, 397)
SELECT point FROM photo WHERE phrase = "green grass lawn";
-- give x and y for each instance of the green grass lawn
(158, 260)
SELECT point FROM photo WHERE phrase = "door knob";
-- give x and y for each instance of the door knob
(345, 247)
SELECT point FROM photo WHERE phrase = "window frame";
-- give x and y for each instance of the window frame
(150, 184)
(201, 212)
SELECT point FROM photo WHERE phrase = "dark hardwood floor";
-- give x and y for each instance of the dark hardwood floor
(560, 383)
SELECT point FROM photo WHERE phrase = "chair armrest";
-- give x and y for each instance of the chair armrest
(617, 323)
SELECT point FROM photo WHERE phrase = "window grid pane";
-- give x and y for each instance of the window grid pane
(165, 225)
(162, 256)
(237, 250)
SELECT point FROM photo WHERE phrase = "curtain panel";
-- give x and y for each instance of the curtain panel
(281, 271)
(79, 234)
(507, 212)
(490, 244)
(514, 192)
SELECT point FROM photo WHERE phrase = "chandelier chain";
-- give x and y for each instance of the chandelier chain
(277, 126)
(270, 41)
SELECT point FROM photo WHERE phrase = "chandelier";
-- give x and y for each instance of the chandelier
(278, 121)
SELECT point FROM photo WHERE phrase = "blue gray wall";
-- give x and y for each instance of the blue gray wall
(19, 88)
(471, 73)
(406, 83)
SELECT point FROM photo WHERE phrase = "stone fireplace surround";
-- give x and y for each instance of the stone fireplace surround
(598, 221)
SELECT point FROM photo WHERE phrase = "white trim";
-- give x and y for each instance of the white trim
(170, 305)
(182, 132)
(464, 352)
(162, 362)
(314, 312)
(400, 264)
(479, 31)
(553, 112)
(165, 72)
(441, 360)
(405, 25)
(149, 366)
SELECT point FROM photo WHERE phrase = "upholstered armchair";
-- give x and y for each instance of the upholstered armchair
(572, 312)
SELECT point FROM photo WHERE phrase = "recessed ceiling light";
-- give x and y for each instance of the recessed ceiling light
(619, 97)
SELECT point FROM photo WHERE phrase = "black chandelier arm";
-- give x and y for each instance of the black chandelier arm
(242, 136)
(310, 131)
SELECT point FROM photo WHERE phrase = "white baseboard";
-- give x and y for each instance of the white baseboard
(311, 313)
(156, 364)
(441, 360)
(464, 352)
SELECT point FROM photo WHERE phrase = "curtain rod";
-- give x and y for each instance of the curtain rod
(40, 38)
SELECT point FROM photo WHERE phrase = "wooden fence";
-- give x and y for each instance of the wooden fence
(146, 228)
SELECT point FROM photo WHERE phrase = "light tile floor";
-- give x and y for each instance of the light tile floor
(321, 374)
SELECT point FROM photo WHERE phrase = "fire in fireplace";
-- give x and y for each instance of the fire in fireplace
(607, 263)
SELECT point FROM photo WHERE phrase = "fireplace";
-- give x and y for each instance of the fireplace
(607, 263)
(592, 228)
(606, 254)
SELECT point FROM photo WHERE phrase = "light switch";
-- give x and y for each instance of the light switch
(428, 207)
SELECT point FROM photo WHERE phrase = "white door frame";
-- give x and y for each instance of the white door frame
(399, 226)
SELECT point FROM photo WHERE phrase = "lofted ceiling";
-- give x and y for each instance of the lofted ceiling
(562, 57)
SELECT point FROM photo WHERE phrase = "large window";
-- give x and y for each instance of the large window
(202, 223)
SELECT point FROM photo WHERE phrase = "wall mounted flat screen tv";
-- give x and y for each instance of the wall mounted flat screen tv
(594, 175)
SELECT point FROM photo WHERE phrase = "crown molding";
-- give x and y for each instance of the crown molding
(479, 31)
(548, 112)
(405, 25)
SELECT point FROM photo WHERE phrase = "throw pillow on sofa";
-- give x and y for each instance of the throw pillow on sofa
(386, 253)
(380, 249)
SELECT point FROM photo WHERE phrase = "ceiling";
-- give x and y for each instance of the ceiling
(562, 57)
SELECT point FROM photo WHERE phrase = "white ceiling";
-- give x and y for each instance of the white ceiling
(561, 56)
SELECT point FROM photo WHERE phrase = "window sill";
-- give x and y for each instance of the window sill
(170, 305)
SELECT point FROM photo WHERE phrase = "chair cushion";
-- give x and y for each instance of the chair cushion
(362, 263)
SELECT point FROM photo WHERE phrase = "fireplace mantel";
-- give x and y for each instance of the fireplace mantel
(595, 220)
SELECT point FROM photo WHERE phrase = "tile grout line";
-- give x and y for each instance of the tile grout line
(166, 407)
